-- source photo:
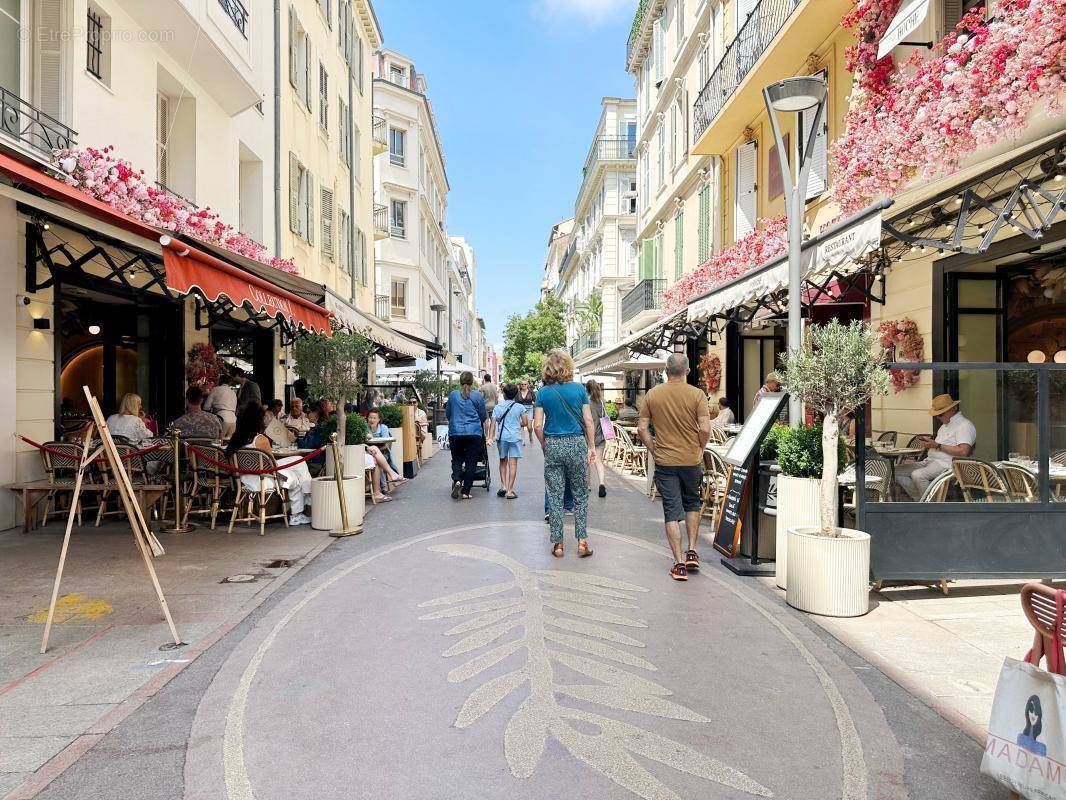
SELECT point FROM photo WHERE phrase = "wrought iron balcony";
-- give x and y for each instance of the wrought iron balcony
(609, 148)
(236, 11)
(647, 295)
(381, 221)
(584, 342)
(31, 127)
(380, 132)
(383, 307)
(754, 37)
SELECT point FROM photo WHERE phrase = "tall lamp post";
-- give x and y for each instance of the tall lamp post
(437, 308)
(795, 95)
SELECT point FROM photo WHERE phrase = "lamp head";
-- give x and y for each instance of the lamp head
(796, 94)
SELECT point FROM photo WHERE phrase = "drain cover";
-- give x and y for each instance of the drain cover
(239, 579)
(280, 563)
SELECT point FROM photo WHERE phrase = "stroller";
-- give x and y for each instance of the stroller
(482, 473)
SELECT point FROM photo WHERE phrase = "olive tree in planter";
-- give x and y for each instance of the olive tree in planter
(833, 373)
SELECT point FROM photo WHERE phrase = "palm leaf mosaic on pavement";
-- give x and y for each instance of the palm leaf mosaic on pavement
(584, 623)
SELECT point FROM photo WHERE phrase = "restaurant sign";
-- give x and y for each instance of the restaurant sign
(905, 22)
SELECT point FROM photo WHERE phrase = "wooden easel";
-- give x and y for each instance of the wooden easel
(146, 541)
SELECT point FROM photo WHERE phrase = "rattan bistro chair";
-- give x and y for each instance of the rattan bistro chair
(135, 469)
(61, 469)
(714, 486)
(634, 456)
(256, 502)
(938, 488)
(1020, 481)
(718, 436)
(888, 437)
(210, 483)
(980, 481)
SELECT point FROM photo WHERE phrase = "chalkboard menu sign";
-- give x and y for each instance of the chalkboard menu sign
(742, 458)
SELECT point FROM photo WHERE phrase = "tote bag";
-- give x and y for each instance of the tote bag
(605, 424)
(1026, 746)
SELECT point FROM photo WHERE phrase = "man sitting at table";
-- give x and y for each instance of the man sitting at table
(628, 409)
(195, 421)
(725, 414)
(296, 420)
(955, 439)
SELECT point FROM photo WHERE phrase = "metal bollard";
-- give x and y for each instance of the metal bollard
(179, 505)
(338, 475)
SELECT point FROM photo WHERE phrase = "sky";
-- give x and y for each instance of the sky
(516, 87)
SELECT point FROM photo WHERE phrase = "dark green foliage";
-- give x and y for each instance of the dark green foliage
(356, 431)
(392, 416)
(799, 451)
(769, 444)
(612, 411)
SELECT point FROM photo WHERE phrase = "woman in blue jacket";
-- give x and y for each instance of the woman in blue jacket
(466, 433)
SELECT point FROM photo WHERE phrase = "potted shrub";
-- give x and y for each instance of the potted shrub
(325, 502)
(833, 372)
(798, 452)
(392, 417)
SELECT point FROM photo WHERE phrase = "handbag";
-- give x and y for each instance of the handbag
(606, 426)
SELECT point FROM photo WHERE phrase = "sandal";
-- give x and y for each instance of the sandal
(468, 497)
(557, 549)
(583, 549)
(512, 496)
(501, 492)
(383, 498)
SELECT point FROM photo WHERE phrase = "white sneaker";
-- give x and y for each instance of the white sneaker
(299, 519)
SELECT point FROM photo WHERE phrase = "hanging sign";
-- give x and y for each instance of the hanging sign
(905, 22)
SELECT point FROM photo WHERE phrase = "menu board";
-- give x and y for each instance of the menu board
(745, 443)
(730, 518)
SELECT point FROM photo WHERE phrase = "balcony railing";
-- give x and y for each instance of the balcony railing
(31, 127)
(236, 11)
(758, 31)
(383, 307)
(607, 148)
(380, 133)
(586, 341)
(381, 221)
(647, 295)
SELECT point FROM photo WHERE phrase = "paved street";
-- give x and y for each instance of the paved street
(445, 653)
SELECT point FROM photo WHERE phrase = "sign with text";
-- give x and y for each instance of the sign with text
(731, 515)
(746, 443)
(905, 22)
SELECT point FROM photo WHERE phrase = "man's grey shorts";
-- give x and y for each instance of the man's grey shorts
(680, 490)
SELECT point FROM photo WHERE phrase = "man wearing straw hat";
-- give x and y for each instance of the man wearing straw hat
(955, 439)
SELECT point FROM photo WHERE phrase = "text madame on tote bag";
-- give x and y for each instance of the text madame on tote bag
(1026, 745)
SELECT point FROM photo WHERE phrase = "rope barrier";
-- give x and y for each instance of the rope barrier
(230, 468)
(99, 459)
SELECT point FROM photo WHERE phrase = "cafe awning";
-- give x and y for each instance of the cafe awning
(658, 336)
(829, 260)
(906, 22)
(390, 342)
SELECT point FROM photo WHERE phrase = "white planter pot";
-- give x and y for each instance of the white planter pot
(829, 575)
(797, 505)
(428, 448)
(326, 504)
(354, 456)
(396, 449)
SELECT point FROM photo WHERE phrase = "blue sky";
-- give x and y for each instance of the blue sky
(516, 87)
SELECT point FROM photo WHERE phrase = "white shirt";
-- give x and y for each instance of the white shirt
(223, 402)
(129, 426)
(725, 417)
(957, 430)
(300, 423)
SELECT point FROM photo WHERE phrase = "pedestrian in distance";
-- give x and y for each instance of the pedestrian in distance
(466, 434)
(678, 413)
(563, 423)
(527, 397)
(505, 431)
(599, 411)
(489, 392)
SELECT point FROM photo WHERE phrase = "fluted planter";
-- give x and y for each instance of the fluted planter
(326, 504)
(828, 575)
(354, 456)
(797, 505)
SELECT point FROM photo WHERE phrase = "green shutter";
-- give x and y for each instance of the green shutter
(705, 224)
(658, 271)
(647, 260)
(679, 245)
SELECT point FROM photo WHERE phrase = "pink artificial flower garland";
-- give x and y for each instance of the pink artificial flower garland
(975, 91)
(116, 182)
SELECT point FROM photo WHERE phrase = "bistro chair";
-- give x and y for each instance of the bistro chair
(256, 501)
(938, 488)
(1020, 481)
(1043, 607)
(619, 450)
(135, 469)
(980, 481)
(714, 485)
(635, 457)
(61, 469)
(610, 446)
(1059, 457)
(209, 482)
(888, 437)
(718, 436)
(913, 441)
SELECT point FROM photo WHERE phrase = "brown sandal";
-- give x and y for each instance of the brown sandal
(583, 549)
(557, 549)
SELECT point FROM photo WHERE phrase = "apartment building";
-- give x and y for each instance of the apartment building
(411, 183)
(464, 330)
(558, 245)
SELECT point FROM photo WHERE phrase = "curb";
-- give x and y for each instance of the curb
(84, 742)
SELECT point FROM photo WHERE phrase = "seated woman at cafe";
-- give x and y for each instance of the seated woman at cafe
(725, 414)
(379, 430)
(296, 478)
(129, 421)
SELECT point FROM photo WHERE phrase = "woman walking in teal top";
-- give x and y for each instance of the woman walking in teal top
(563, 423)
(466, 434)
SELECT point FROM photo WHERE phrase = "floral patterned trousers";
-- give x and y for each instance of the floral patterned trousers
(566, 463)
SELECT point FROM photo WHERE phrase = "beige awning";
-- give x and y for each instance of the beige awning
(356, 321)
(646, 339)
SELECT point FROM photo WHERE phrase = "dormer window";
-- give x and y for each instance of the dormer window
(397, 75)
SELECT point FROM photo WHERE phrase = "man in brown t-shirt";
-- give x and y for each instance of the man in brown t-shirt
(678, 413)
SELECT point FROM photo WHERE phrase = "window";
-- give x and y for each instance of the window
(631, 138)
(399, 299)
(658, 45)
(327, 223)
(397, 75)
(680, 127)
(323, 98)
(818, 177)
(705, 224)
(679, 21)
(662, 154)
(629, 200)
(162, 139)
(745, 197)
(356, 144)
(301, 200)
(98, 44)
(345, 131)
(645, 164)
(398, 219)
(397, 146)
(299, 59)
(704, 66)
(344, 29)
(679, 244)
(344, 225)
(675, 149)
(360, 62)
(360, 255)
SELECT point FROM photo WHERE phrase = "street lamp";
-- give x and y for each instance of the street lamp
(437, 308)
(795, 95)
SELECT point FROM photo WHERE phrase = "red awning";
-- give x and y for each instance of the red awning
(189, 268)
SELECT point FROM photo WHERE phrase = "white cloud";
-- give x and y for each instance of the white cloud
(593, 12)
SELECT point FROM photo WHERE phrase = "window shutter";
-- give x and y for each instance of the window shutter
(48, 57)
(647, 259)
(307, 73)
(294, 194)
(745, 198)
(679, 244)
(744, 10)
(818, 177)
(362, 258)
(294, 53)
(162, 132)
(309, 211)
(327, 222)
(705, 224)
(952, 15)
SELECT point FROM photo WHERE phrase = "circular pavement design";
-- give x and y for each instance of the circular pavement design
(469, 662)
